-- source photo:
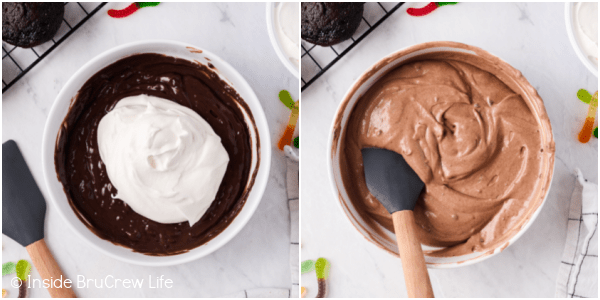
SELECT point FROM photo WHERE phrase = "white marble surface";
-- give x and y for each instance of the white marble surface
(532, 37)
(258, 257)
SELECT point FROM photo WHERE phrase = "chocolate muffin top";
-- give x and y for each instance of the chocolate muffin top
(28, 24)
(329, 23)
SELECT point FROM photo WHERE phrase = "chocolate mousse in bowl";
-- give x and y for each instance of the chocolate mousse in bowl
(473, 129)
(158, 154)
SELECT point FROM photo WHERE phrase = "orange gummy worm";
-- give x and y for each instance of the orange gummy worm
(586, 132)
(286, 139)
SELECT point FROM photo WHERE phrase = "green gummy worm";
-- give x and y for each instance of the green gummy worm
(8, 268)
(322, 268)
(307, 266)
(445, 3)
(146, 4)
(286, 98)
(23, 269)
(584, 96)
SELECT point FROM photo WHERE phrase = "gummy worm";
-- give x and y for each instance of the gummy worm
(423, 11)
(307, 266)
(302, 292)
(22, 289)
(23, 269)
(584, 96)
(8, 268)
(322, 269)
(288, 134)
(127, 11)
(586, 132)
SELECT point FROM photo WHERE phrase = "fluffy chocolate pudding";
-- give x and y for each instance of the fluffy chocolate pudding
(83, 174)
(480, 142)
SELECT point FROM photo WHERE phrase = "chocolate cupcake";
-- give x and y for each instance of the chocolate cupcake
(28, 24)
(329, 23)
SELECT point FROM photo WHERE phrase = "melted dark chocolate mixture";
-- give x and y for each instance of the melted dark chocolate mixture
(83, 174)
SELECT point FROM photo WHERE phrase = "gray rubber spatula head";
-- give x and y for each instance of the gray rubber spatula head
(391, 180)
(394, 183)
(23, 214)
(23, 206)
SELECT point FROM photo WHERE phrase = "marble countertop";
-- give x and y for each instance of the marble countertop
(258, 257)
(531, 37)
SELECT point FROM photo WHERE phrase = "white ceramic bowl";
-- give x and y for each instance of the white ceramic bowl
(358, 88)
(180, 50)
(275, 41)
(569, 18)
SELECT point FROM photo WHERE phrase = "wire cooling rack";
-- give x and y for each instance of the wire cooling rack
(17, 61)
(316, 60)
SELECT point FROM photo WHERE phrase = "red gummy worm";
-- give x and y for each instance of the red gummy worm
(419, 12)
(122, 13)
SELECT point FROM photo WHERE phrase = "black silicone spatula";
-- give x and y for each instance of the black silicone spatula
(396, 185)
(23, 214)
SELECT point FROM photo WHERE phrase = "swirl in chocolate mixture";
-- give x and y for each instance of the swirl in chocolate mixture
(472, 139)
(83, 174)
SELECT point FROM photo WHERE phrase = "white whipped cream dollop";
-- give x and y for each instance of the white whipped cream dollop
(287, 26)
(586, 28)
(165, 160)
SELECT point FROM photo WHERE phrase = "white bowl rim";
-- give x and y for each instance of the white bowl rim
(276, 44)
(574, 43)
(258, 188)
(334, 188)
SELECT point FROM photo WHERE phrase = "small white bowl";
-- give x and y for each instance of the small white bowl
(276, 43)
(175, 49)
(569, 11)
(387, 241)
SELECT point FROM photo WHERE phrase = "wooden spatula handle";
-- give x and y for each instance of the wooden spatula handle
(48, 268)
(416, 276)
